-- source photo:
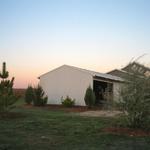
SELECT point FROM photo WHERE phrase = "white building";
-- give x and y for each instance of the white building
(73, 82)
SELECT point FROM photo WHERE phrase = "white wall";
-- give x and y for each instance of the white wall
(66, 81)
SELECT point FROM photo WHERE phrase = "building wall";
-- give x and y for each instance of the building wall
(116, 90)
(66, 81)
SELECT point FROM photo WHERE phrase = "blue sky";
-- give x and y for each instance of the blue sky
(39, 35)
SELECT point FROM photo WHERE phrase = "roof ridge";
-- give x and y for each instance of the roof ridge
(92, 73)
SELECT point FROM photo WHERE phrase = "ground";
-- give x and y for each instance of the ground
(101, 113)
(55, 129)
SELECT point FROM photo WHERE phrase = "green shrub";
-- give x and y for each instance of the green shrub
(29, 95)
(89, 97)
(39, 99)
(7, 96)
(68, 102)
(135, 100)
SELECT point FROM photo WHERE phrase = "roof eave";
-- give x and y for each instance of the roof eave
(113, 80)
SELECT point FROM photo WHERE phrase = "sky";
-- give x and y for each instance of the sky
(37, 36)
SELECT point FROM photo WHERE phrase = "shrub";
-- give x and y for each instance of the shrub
(29, 95)
(39, 99)
(68, 102)
(7, 96)
(89, 97)
(135, 100)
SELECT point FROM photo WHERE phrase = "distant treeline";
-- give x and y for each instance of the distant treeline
(19, 92)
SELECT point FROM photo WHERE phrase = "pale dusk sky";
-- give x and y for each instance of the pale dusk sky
(39, 35)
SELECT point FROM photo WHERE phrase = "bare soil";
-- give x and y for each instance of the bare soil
(82, 110)
(59, 107)
(101, 113)
(127, 131)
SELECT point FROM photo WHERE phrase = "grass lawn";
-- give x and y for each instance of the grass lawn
(39, 129)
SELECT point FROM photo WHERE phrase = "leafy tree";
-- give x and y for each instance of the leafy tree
(40, 99)
(135, 100)
(89, 97)
(7, 97)
(29, 95)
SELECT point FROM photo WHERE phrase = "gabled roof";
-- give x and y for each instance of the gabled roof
(117, 70)
(118, 73)
(130, 69)
(138, 68)
(93, 73)
(136, 65)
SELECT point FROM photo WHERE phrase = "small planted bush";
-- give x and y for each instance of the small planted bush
(29, 95)
(68, 102)
(89, 97)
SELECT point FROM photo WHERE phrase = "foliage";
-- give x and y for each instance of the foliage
(67, 102)
(89, 97)
(7, 96)
(135, 100)
(39, 98)
(29, 95)
(4, 74)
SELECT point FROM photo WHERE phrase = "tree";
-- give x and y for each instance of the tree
(89, 97)
(29, 95)
(7, 97)
(135, 100)
(40, 99)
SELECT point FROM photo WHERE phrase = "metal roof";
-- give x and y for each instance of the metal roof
(93, 73)
(98, 74)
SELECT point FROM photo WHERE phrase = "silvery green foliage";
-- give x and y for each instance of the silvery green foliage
(135, 100)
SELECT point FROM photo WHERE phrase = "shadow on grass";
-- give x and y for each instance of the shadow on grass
(11, 115)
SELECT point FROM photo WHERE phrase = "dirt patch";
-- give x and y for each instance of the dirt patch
(101, 113)
(82, 110)
(58, 107)
(127, 131)
(67, 109)
(11, 115)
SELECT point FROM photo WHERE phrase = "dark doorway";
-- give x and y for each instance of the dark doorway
(101, 90)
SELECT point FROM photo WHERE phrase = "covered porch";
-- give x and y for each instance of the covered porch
(103, 89)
